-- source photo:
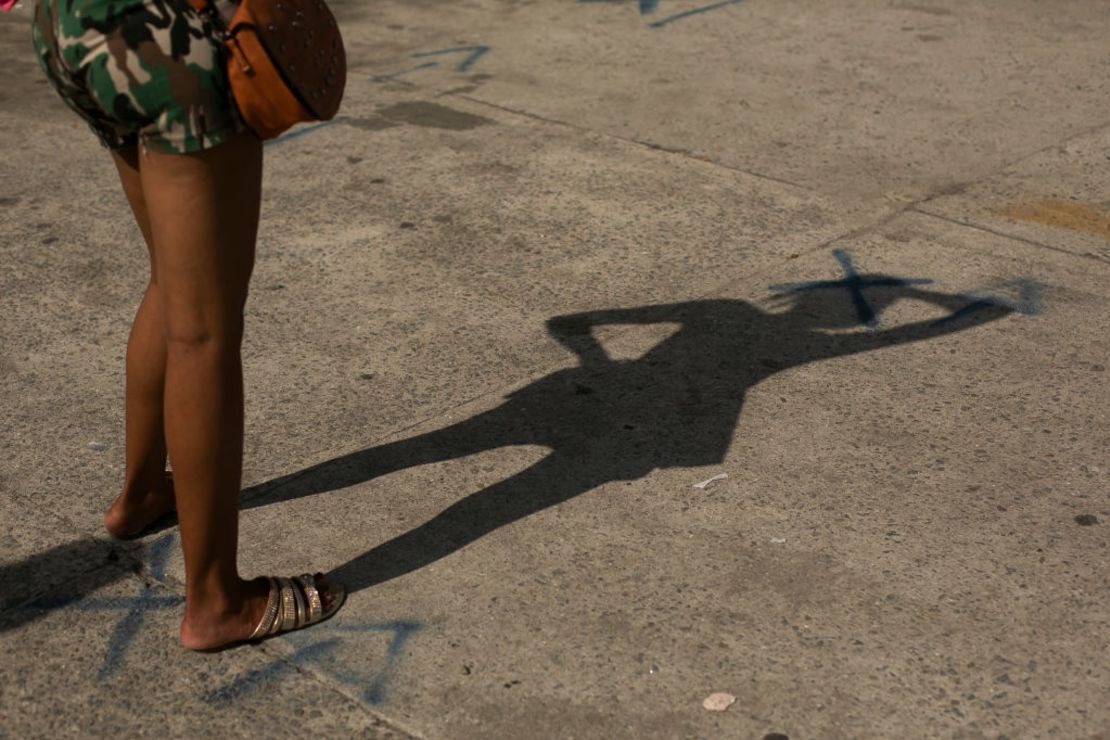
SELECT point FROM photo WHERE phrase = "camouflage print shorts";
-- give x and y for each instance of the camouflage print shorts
(138, 70)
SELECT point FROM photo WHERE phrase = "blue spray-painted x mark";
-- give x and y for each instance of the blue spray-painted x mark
(1028, 301)
(319, 646)
(855, 284)
(135, 608)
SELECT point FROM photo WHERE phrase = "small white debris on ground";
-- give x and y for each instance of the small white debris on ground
(718, 702)
(98, 446)
(705, 483)
(778, 541)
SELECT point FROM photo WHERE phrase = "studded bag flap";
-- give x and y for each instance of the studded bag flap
(285, 61)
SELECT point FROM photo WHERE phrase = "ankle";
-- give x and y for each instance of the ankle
(220, 618)
(215, 596)
(141, 485)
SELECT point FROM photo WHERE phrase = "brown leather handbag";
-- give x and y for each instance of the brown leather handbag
(285, 61)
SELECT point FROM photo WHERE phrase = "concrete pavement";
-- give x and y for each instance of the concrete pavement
(554, 264)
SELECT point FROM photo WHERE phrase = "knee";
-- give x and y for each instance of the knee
(200, 335)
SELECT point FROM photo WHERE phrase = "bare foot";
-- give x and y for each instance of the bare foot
(209, 629)
(134, 511)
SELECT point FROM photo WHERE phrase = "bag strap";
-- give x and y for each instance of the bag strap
(208, 9)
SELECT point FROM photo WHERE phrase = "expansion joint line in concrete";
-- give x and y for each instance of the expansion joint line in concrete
(645, 144)
(1014, 237)
(517, 112)
(334, 686)
(771, 178)
(957, 189)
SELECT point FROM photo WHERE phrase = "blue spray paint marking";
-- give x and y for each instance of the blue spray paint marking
(135, 608)
(696, 11)
(128, 627)
(373, 692)
(297, 133)
(854, 283)
(406, 70)
(158, 556)
(1028, 302)
(232, 690)
(476, 53)
(322, 643)
(473, 54)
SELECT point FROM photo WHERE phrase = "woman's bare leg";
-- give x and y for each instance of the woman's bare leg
(203, 212)
(147, 492)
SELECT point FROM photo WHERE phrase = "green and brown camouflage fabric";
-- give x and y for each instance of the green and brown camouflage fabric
(138, 70)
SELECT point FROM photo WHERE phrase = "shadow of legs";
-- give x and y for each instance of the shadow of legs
(550, 481)
(486, 431)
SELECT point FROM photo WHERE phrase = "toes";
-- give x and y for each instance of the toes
(325, 592)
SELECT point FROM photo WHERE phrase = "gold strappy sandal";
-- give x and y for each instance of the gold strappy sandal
(295, 603)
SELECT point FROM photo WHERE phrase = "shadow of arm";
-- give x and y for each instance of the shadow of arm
(573, 330)
(964, 316)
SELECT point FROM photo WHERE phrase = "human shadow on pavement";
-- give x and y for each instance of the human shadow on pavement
(677, 405)
(604, 420)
